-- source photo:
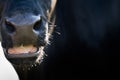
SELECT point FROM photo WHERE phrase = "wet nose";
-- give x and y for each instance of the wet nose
(23, 28)
(27, 23)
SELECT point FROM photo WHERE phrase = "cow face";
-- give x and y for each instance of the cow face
(25, 29)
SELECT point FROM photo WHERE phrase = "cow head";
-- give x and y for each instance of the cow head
(25, 29)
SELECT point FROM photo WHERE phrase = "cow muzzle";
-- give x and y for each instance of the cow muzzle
(25, 35)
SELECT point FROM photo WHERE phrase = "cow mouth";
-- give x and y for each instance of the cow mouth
(24, 54)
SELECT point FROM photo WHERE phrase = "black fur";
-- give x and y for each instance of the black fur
(88, 44)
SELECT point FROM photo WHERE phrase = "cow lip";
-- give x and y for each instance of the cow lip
(25, 58)
(22, 55)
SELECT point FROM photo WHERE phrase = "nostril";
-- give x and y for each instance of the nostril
(9, 27)
(37, 25)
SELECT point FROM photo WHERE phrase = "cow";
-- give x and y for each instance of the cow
(25, 29)
(26, 26)
(89, 35)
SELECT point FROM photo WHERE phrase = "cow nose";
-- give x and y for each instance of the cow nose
(24, 23)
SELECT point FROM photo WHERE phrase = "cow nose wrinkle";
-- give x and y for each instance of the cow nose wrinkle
(10, 27)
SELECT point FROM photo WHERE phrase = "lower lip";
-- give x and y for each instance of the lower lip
(11, 56)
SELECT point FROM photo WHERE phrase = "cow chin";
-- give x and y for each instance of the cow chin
(24, 55)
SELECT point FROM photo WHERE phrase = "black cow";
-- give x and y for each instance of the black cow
(26, 26)
(89, 36)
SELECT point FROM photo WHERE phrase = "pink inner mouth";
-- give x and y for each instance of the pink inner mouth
(22, 50)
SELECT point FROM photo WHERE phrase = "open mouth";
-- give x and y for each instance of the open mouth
(24, 54)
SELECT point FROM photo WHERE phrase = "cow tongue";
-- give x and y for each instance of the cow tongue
(22, 50)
